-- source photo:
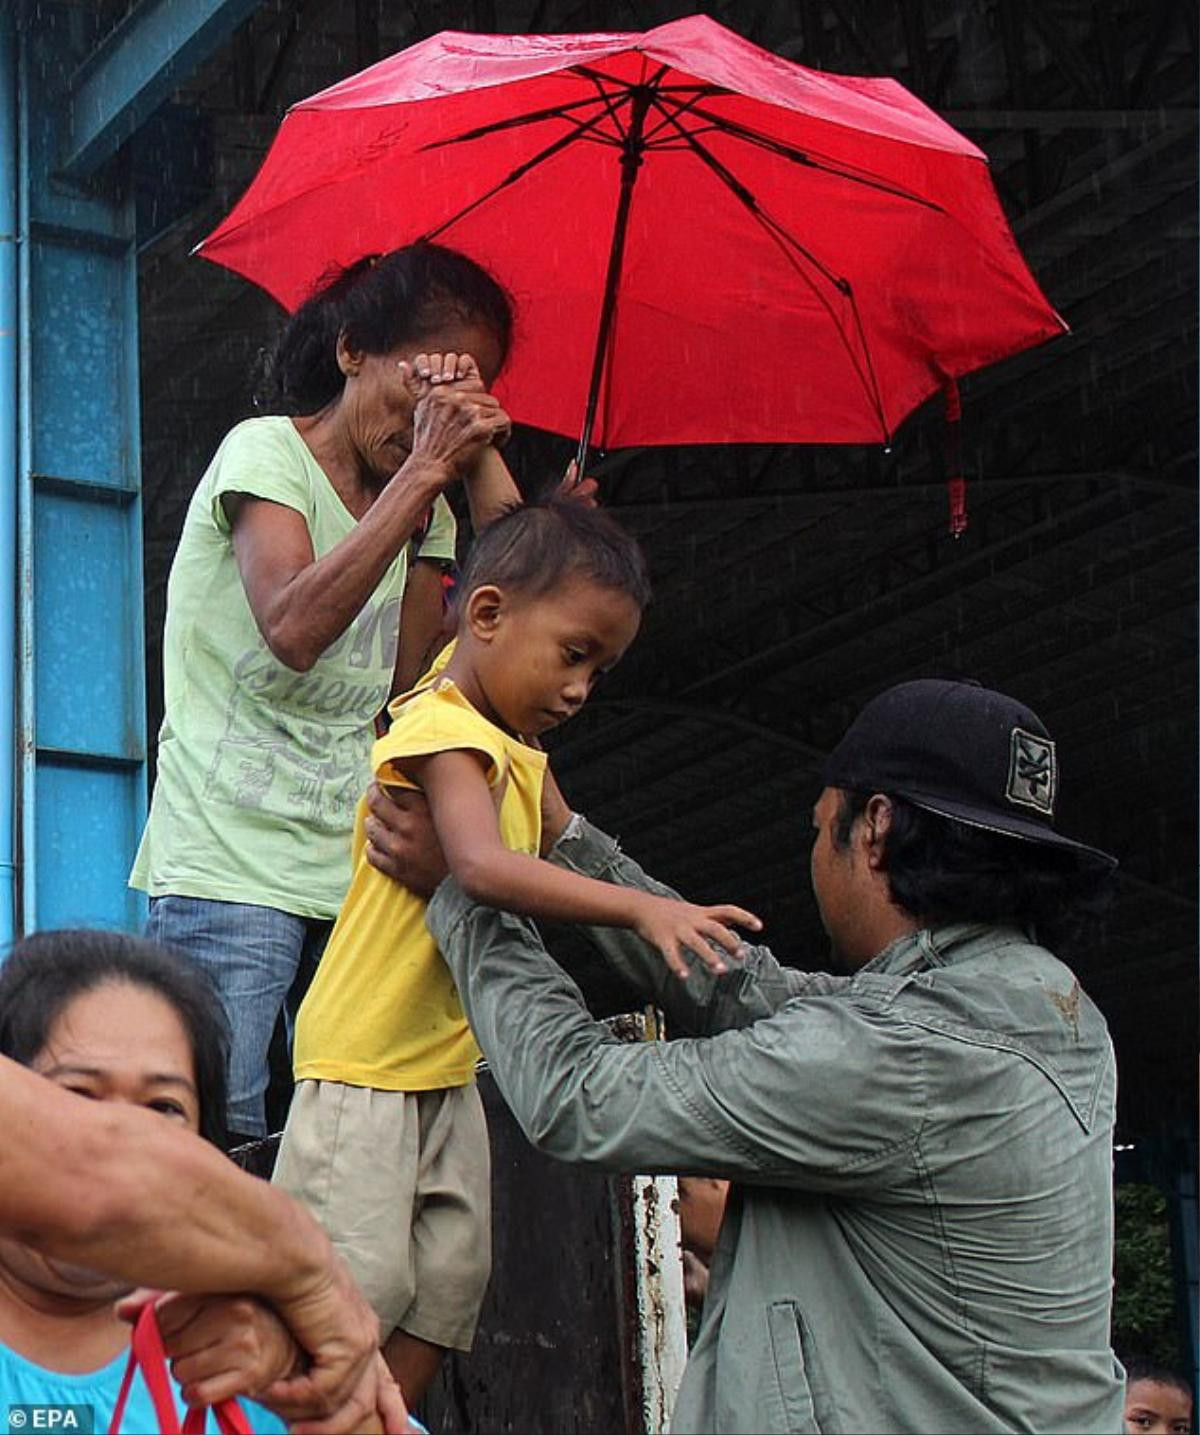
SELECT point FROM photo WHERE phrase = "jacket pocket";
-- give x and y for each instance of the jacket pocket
(807, 1409)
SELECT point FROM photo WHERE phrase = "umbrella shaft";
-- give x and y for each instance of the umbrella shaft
(631, 161)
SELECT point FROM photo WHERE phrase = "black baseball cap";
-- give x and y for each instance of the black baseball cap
(962, 751)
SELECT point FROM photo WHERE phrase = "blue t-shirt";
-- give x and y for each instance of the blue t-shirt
(86, 1401)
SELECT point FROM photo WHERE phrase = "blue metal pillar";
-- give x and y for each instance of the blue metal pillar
(81, 739)
(8, 471)
(70, 507)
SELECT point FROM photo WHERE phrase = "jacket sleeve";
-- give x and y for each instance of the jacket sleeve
(703, 1004)
(825, 1094)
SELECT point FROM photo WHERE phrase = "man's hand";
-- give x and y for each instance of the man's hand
(701, 1211)
(695, 1280)
(675, 927)
(401, 840)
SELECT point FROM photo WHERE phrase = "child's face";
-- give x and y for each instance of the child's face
(538, 657)
(1152, 1408)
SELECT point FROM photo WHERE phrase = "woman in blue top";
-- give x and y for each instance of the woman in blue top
(115, 1019)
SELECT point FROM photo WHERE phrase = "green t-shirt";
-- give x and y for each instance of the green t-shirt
(260, 767)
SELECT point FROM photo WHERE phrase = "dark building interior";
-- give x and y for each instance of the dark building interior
(793, 583)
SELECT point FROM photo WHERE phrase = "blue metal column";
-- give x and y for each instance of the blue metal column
(8, 471)
(80, 661)
(74, 470)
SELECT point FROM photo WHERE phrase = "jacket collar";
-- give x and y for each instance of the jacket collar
(938, 947)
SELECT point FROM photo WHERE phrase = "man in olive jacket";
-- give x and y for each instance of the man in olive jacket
(919, 1233)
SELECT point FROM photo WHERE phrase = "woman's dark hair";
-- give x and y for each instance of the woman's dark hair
(45, 972)
(381, 301)
(941, 870)
(532, 549)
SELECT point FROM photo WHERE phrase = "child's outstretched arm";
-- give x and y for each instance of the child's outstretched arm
(465, 818)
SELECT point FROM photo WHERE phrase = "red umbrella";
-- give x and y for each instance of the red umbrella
(706, 243)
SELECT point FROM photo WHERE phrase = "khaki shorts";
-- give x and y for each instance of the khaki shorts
(401, 1181)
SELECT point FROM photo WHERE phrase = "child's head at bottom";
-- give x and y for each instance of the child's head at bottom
(550, 597)
(1158, 1401)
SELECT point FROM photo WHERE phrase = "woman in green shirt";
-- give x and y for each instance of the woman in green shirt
(306, 533)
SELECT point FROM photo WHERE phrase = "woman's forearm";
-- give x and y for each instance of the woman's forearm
(303, 611)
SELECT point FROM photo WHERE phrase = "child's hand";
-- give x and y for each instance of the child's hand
(672, 926)
(458, 371)
(427, 371)
(581, 490)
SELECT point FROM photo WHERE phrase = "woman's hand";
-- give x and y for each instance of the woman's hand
(219, 1346)
(490, 488)
(452, 425)
(675, 927)
(460, 371)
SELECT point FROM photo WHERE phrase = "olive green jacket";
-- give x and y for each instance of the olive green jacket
(919, 1235)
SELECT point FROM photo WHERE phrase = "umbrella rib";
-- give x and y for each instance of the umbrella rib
(805, 158)
(697, 89)
(533, 117)
(748, 198)
(788, 243)
(607, 98)
(679, 109)
(511, 178)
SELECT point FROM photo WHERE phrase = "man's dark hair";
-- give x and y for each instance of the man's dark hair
(382, 301)
(534, 548)
(44, 973)
(942, 870)
(1142, 1367)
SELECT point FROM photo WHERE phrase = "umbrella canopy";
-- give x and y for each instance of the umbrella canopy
(788, 256)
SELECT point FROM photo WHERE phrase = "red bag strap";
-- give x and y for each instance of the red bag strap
(147, 1353)
(114, 1425)
(230, 1417)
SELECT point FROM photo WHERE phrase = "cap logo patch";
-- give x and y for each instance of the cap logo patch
(1032, 773)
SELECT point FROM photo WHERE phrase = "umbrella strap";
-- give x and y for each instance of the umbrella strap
(955, 482)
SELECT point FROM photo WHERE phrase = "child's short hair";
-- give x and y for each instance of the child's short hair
(534, 548)
(1142, 1367)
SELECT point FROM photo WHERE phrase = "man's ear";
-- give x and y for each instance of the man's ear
(875, 824)
(349, 359)
(484, 609)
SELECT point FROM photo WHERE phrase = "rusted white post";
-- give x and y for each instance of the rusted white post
(661, 1316)
(655, 1319)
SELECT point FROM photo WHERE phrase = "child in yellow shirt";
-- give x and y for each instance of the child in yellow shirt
(386, 1140)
